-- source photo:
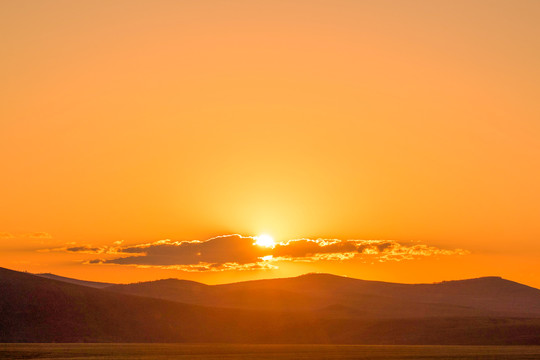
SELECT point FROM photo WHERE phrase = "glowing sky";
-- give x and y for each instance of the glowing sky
(389, 140)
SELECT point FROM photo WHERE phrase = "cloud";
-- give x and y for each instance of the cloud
(85, 249)
(218, 253)
(38, 235)
(115, 249)
(34, 235)
(201, 267)
(236, 252)
(335, 249)
(24, 241)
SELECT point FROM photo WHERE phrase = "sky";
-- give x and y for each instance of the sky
(383, 140)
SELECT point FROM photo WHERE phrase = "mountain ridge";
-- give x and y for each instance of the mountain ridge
(485, 296)
(306, 275)
(37, 309)
(481, 296)
(94, 284)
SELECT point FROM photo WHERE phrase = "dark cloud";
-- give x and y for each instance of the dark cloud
(308, 248)
(84, 249)
(236, 252)
(219, 250)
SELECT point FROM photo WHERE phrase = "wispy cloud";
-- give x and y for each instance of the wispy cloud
(335, 249)
(88, 249)
(38, 235)
(236, 252)
(27, 241)
(34, 235)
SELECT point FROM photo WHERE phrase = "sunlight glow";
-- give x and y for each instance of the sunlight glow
(265, 240)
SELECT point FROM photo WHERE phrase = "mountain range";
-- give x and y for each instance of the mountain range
(312, 308)
(336, 296)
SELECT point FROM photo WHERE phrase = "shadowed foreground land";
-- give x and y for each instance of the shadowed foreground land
(216, 351)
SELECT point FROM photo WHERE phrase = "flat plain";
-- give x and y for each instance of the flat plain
(239, 351)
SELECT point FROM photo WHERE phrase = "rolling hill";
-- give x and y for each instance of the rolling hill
(94, 284)
(37, 309)
(335, 296)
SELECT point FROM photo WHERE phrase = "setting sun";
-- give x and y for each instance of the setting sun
(265, 240)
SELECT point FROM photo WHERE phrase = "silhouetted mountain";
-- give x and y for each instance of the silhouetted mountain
(36, 309)
(334, 296)
(94, 284)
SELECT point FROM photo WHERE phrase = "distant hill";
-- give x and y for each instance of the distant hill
(342, 297)
(37, 309)
(94, 284)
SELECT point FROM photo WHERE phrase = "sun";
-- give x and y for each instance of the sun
(265, 240)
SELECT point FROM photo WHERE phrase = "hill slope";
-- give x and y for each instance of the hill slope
(36, 309)
(336, 296)
(94, 284)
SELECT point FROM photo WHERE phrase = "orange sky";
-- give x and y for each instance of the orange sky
(415, 122)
